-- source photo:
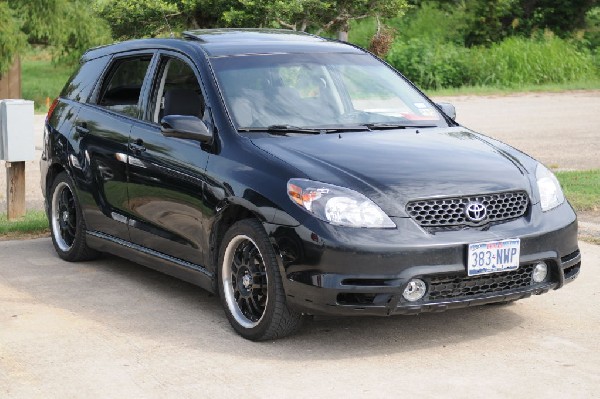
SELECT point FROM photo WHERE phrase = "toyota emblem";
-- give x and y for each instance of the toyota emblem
(475, 211)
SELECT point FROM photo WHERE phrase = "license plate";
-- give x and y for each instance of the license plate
(493, 256)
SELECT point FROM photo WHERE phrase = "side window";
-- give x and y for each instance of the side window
(84, 79)
(122, 85)
(176, 91)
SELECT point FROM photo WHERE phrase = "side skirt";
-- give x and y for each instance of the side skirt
(186, 271)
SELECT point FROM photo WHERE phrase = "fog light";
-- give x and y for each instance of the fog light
(415, 290)
(540, 271)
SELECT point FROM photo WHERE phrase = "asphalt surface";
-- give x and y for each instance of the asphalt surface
(113, 329)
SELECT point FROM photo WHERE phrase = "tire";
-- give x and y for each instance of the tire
(66, 222)
(250, 284)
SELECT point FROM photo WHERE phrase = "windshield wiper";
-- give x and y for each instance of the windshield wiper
(283, 129)
(381, 126)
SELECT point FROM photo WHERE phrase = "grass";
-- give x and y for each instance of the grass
(513, 63)
(593, 84)
(41, 79)
(582, 188)
(33, 224)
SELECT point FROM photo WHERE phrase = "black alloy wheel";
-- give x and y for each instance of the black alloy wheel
(66, 222)
(250, 284)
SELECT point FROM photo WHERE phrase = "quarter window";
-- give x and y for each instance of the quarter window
(83, 81)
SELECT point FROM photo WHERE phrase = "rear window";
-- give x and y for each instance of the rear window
(82, 82)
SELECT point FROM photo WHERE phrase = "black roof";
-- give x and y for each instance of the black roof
(225, 42)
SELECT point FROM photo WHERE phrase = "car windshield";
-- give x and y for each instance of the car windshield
(319, 91)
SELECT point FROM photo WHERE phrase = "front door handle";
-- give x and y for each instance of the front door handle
(137, 146)
(81, 128)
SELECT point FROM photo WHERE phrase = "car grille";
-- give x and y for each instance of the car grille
(450, 212)
(455, 286)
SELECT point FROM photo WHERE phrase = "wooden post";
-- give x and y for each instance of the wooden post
(10, 87)
(15, 189)
(10, 82)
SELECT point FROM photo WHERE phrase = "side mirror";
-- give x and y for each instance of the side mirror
(185, 127)
(448, 109)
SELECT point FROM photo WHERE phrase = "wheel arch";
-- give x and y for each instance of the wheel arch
(230, 212)
(53, 170)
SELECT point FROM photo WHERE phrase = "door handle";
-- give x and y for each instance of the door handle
(137, 146)
(81, 128)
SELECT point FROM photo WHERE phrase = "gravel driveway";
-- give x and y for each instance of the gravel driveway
(560, 129)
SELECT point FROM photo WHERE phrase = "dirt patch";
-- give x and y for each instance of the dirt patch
(24, 236)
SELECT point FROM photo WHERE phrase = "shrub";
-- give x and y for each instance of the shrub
(519, 61)
(431, 64)
(511, 63)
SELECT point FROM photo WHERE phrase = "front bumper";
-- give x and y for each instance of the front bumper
(337, 271)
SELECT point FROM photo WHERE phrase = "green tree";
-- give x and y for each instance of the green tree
(315, 15)
(150, 18)
(141, 18)
(11, 37)
(135, 18)
(69, 26)
(487, 22)
(559, 16)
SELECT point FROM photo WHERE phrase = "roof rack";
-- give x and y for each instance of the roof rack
(250, 34)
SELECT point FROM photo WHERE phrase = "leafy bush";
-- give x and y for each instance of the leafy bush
(513, 62)
(430, 64)
(518, 61)
(592, 31)
(434, 22)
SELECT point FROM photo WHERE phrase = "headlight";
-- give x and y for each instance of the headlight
(337, 205)
(551, 194)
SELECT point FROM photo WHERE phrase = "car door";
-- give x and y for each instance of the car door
(167, 174)
(102, 129)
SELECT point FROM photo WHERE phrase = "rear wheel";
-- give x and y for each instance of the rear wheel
(66, 222)
(250, 285)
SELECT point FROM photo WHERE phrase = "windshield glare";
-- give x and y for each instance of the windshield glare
(318, 90)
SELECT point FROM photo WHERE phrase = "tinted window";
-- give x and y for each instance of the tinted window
(318, 90)
(123, 84)
(83, 80)
(176, 91)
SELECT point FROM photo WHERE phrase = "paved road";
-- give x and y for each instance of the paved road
(110, 328)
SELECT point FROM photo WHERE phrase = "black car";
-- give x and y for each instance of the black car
(295, 175)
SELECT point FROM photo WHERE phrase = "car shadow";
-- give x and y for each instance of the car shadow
(132, 299)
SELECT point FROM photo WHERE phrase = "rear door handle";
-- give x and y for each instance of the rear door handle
(81, 128)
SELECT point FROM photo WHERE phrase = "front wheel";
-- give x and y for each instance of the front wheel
(66, 222)
(250, 285)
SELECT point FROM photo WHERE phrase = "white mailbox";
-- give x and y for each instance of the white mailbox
(16, 130)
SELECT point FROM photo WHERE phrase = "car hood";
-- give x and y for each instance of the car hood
(393, 167)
